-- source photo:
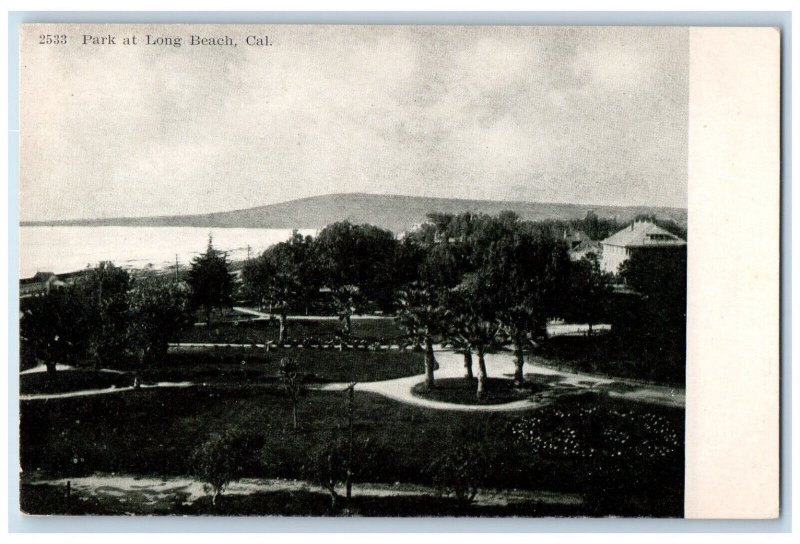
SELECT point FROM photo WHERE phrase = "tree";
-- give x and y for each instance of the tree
(356, 262)
(589, 292)
(457, 326)
(224, 458)
(442, 259)
(461, 472)
(530, 272)
(657, 328)
(103, 297)
(517, 272)
(336, 461)
(292, 384)
(158, 309)
(420, 314)
(211, 281)
(283, 277)
(52, 329)
(480, 325)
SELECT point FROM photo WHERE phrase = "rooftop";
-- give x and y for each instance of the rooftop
(644, 234)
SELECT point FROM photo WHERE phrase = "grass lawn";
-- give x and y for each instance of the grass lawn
(71, 380)
(608, 355)
(463, 391)
(225, 365)
(258, 331)
(153, 432)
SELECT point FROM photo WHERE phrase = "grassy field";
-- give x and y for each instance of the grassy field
(259, 331)
(607, 355)
(462, 391)
(153, 432)
(224, 367)
(318, 366)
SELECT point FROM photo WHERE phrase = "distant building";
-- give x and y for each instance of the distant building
(40, 283)
(574, 238)
(583, 249)
(638, 237)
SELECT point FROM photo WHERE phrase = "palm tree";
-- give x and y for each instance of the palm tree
(477, 321)
(420, 314)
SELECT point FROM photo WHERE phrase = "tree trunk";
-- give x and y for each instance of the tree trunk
(214, 498)
(348, 326)
(468, 364)
(430, 362)
(481, 373)
(519, 359)
(590, 330)
(51, 367)
(284, 321)
(208, 317)
(294, 414)
(334, 498)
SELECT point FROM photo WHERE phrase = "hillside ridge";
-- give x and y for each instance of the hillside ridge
(394, 212)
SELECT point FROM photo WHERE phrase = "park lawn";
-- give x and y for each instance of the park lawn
(71, 380)
(153, 432)
(463, 391)
(258, 331)
(608, 355)
(226, 365)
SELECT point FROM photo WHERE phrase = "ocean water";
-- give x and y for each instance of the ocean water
(67, 249)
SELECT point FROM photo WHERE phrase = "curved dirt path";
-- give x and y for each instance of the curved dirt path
(106, 391)
(451, 365)
(143, 495)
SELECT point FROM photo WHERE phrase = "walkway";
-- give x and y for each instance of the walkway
(143, 495)
(106, 391)
(266, 315)
(451, 365)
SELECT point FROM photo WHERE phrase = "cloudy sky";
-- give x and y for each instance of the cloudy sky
(580, 115)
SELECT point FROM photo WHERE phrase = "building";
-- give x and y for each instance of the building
(39, 283)
(584, 249)
(574, 238)
(638, 237)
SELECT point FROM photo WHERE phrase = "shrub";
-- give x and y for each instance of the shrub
(225, 458)
(461, 472)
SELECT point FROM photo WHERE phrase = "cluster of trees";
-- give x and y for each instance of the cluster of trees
(110, 317)
(348, 267)
(472, 280)
(103, 319)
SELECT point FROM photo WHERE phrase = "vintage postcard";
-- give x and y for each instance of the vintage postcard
(313, 270)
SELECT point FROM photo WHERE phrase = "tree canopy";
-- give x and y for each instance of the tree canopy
(211, 281)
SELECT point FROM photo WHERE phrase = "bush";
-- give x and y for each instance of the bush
(225, 458)
(461, 472)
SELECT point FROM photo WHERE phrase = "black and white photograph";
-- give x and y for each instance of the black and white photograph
(353, 270)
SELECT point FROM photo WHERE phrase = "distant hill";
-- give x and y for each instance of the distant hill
(394, 212)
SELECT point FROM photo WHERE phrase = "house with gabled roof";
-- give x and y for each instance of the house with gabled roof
(639, 236)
